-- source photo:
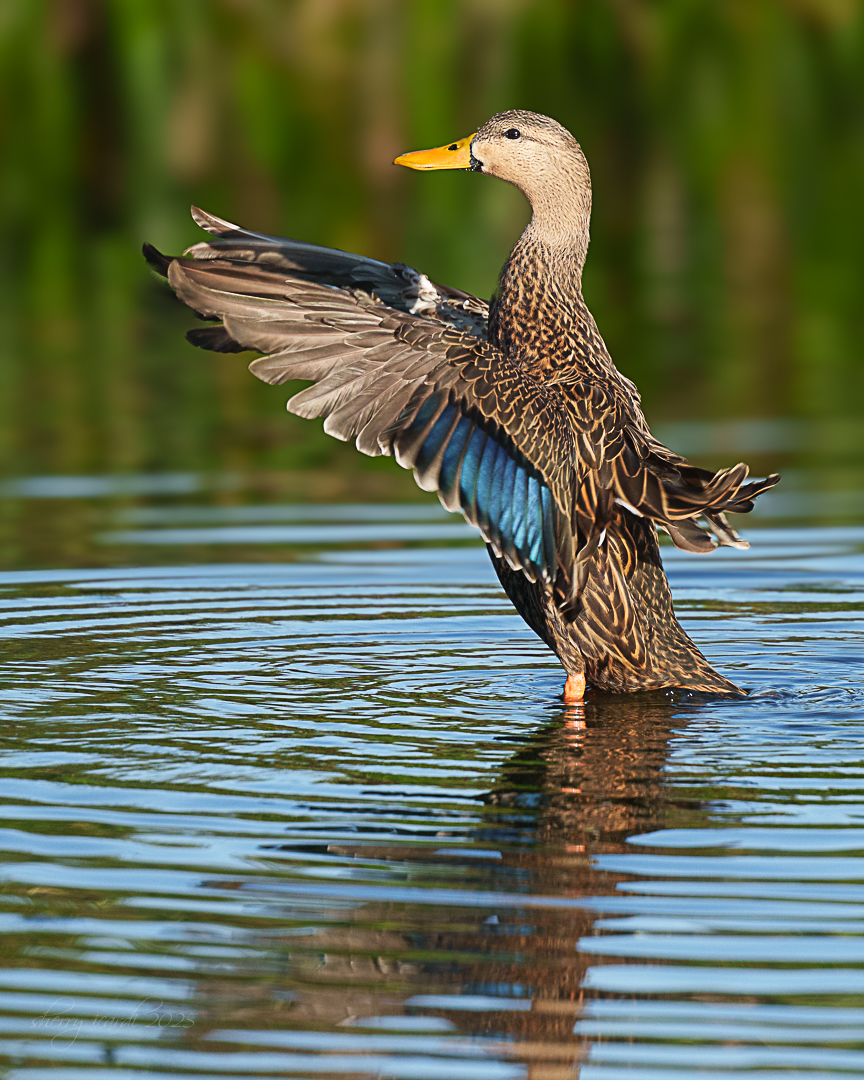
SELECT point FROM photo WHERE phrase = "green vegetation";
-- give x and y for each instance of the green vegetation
(726, 139)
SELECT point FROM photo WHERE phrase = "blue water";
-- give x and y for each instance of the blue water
(290, 791)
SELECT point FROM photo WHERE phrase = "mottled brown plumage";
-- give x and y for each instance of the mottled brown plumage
(514, 412)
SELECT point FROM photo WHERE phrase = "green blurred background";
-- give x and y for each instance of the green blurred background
(725, 138)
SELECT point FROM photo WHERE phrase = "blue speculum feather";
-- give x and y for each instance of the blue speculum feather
(471, 468)
(535, 521)
(453, 455)
(496, 489)
(484, 480)
(506, 525)
(520, 511)
(424, 413)
(515, 508)
(432, 442)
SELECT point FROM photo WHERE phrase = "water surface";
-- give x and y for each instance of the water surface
(290, 791)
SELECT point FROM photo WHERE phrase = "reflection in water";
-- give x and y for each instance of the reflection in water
(578, 788)
(494, 958)
(327, 817)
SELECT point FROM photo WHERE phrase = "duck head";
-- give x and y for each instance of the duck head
(537, 155)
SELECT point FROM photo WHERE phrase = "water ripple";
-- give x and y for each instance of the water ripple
(329, 816)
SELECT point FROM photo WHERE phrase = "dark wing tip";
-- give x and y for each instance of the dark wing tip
(214, 338)
(156, 259)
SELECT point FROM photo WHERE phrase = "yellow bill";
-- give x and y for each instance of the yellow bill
(455, 155)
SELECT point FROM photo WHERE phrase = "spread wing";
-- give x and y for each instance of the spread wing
(395, 284)
(493, 442)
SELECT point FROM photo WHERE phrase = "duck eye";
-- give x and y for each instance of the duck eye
(513, 133)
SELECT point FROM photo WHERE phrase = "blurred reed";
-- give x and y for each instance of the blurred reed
(726, 139)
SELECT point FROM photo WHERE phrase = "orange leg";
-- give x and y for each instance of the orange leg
(574, 689)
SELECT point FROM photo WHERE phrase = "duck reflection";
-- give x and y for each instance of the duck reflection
(584, 783)
(504, 963)
(595, 773)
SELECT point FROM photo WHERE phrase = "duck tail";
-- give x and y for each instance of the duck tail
(688, 503)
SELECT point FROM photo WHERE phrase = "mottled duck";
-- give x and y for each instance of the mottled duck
(512, 411)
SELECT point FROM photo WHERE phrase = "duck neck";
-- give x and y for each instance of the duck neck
(539, 300)
(560, 224)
